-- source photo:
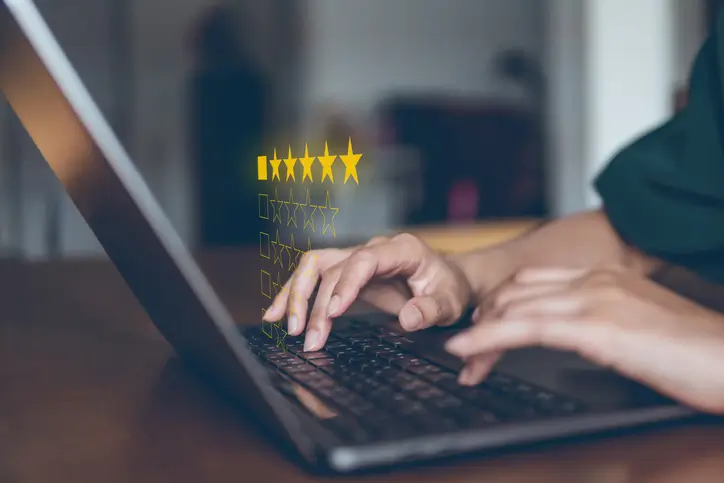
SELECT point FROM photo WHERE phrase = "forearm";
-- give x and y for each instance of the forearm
(586, 239)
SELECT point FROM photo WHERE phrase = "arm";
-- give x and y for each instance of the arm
(581, 240)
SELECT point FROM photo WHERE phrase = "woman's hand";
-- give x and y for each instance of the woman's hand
(612, 317)
(399, 275)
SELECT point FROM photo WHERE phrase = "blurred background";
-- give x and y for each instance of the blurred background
(465, 110)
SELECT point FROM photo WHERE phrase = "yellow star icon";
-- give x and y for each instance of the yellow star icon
(308, 215)
(350, 161)
(290, 162)
(306, 165)
(275, 166)
(328, 226)
(326, 161)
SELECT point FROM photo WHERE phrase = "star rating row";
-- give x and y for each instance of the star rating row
(278, 252)
(350, 161)
(291, 207)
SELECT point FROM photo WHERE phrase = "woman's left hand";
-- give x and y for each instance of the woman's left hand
(612, 317)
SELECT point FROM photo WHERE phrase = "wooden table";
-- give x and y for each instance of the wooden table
(89, 392)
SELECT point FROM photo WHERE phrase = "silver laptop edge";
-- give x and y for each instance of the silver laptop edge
(105, 185)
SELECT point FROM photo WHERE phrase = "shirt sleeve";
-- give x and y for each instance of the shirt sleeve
(664, 193)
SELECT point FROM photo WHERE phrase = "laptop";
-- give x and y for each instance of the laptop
(375, 397)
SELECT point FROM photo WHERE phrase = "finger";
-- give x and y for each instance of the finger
(549, 274)
(516, 292)
(426, 311)
(402, 255)
(304, 282)
(388, 296)
(320, 324)
(562, 304)
(278, 306)
(477, 368)
(562, 333)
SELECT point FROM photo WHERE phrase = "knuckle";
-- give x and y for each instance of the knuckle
(309, 257)
(363, 256)
(328, 273)
(377, 239)
(527, 272)
(602, 278)
(408, 239)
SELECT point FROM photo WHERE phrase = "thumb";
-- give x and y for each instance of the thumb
(428, 310)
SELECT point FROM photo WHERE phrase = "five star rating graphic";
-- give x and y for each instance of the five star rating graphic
(280, 246)
(282, 249)
(325, 161)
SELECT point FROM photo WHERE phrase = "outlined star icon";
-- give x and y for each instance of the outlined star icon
(327, 161)
(276, 207)
(278, 286)
(306, 165)
(289, 255)
(308, 215)
(294, 263)
(325, 225)
(278, 247)
(291, 215)
(280, 340)
(290, 162)
(275, 166)
(350, 161)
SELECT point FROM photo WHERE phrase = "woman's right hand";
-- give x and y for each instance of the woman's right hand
(400, 275)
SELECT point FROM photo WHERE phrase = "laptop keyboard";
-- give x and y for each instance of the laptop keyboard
(381, 389)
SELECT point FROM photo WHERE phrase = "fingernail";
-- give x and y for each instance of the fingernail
(333, 306)
(466, 376)
(293, 324)
(458, 344)
(411, 317)
(476, 313)
(311, 340)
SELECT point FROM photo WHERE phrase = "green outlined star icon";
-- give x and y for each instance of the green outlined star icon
(276, 204)
(277, 246)
(291, 215)
(280, 340)
(289, 255)
(294, 261)
(277, 285)
(332, 211)
(308, 209)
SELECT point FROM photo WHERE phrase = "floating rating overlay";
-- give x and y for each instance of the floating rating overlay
(293, 216)
(323, 170)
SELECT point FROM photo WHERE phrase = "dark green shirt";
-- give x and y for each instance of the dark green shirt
(664, 193)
